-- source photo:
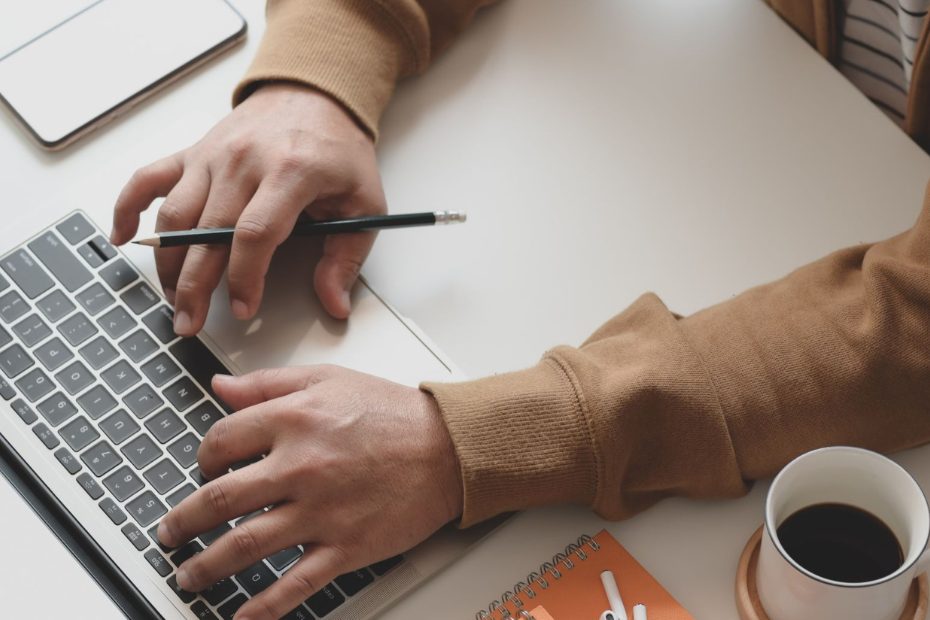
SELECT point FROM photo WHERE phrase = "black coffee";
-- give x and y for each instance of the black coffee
(841, 542)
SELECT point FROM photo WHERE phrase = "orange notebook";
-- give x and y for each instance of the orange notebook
(569, 587)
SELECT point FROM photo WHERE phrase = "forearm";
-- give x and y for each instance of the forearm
(652, 405)
(354, 50)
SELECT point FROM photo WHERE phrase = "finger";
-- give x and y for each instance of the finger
(204, 264)
(319, 566)
(338, 269)
(264, 385)
(265, 223)
(244, 545)
(180, 211)
(229, 496)
(235, 438)
(146, 184)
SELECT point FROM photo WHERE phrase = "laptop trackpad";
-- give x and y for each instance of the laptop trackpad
(39, 578)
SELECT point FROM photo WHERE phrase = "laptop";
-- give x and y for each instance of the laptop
(102, 408)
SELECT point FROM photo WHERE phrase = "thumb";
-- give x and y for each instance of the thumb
(338, 269)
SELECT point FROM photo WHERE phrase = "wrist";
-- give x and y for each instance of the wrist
(448, 469)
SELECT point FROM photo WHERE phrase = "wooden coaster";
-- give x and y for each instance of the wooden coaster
(747, 599)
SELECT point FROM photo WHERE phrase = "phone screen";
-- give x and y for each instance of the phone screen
(108, 53)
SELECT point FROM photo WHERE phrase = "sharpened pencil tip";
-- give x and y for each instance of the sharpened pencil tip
(149, 241)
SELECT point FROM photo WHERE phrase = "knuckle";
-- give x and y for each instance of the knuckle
(217, 496)
(217, 436)
(238, 149)
(170, 215)
(304, 585)
(244, 543)
(253, 231)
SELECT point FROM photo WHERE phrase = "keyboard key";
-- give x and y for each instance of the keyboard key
(26, 273)
(219, 591)
(123, 483)
(56, 409)
(101, 458)
(55, 306)
(198, 360)
(102, 247)
(112, 510)
(12, 306)
(95, 299)
(116, 322)
(75, 228)
(160, 369)
(165, 426)
(164, 476)
(118, 274)
(198, 477)
(4, 284)
(46, 435)
(158, 562)
(141, 451)
(228, 609)
(53, 353)
(353, 583)
(186, 552)
(160, 322)
(74, 377)
(32, 330)
(139, 297)
(90, 255)
(301, 613)
(98, 352)
(119, 427)
(202, 612)
(182, 394)
(135, 536)
(138, 346)
(203, 416)
(325, 601)
(120, 376)
(146, 508)
(256, 578)
(79, 433)
(77, 328)
(60, 260)
(184, 595)
(90, 486)
(143, 400)
(5, 337)
(34, 385)
(14, 360)
(184, 450)
(153, 534)
(96, 401)
(284, 558)
(178, 496)
(382, 567)
(68, 460)
(213, 535)
(6, 390)
(25, 413)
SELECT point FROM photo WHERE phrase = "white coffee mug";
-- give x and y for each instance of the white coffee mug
(858, 478)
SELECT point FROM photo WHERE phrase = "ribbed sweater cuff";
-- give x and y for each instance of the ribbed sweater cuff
(353, 50)
(521, 438)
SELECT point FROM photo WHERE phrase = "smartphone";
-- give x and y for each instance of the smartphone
(102, 57)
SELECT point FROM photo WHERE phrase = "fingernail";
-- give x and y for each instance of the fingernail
(113, 237)
(346, 300)
(240, 309)
(165, 534)
(184, 578)
(169, 295)
(182, 323)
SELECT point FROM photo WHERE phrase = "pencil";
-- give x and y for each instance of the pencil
(305, 228)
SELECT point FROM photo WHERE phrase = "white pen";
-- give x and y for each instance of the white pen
(639, 612)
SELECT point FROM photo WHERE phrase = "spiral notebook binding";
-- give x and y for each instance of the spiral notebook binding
(538, 579)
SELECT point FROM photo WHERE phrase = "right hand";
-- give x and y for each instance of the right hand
(286, 149)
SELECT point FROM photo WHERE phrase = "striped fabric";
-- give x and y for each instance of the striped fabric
(877, 49)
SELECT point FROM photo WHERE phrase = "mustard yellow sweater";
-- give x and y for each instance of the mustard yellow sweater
(654, 404)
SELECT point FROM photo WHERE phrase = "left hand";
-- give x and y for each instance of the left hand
(358, 469)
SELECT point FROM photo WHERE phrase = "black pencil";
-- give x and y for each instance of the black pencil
(304, 228)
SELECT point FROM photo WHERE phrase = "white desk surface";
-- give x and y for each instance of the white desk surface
(601, 149)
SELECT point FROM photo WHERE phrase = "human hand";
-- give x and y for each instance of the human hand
(284, 150)
(358, 469)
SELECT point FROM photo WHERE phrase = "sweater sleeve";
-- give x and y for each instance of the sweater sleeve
(354, 50)
(654, 405)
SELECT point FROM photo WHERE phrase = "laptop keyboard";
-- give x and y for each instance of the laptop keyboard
(91, 364)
